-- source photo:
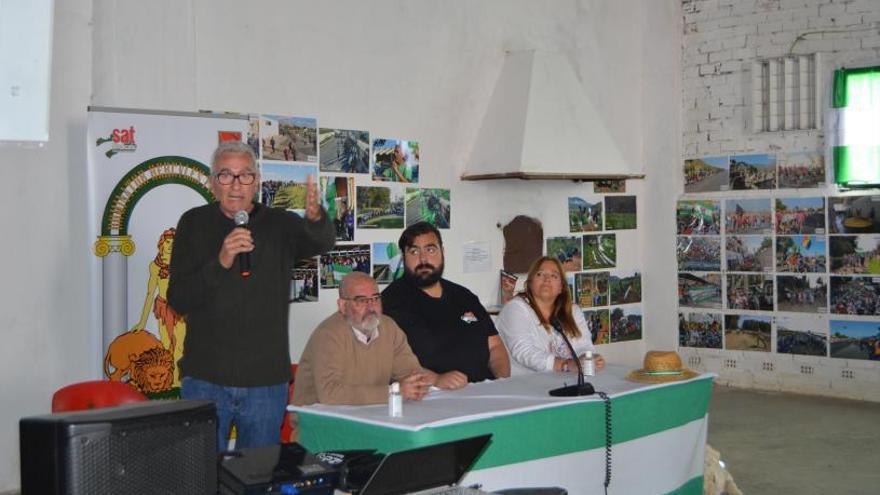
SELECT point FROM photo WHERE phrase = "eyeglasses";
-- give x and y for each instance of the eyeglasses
(430, 249)
(227, 178)
(547, 275)
(363, 301)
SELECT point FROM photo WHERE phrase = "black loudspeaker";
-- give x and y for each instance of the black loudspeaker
(152, 447)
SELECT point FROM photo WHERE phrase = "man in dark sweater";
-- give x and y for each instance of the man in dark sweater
(236, 349)
(448, 329)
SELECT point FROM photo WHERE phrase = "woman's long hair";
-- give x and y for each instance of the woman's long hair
(562, 304)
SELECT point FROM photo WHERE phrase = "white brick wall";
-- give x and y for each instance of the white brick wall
(720, 40)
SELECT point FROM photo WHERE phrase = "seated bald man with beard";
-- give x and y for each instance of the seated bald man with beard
(354, 355)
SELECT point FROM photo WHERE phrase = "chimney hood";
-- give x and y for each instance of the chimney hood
(541, 124)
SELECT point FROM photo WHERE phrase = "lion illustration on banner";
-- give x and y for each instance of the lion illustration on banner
(140, 357)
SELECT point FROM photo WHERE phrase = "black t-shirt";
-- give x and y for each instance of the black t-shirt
(446, 333)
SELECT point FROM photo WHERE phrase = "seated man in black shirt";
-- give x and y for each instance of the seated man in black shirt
(448, 329)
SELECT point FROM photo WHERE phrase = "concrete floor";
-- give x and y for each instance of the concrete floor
(778, 443)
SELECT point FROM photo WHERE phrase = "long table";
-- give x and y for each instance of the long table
(658, 432)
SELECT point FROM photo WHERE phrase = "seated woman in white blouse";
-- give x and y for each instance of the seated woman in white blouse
(526, 323)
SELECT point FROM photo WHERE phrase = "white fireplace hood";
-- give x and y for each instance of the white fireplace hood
(540, 124)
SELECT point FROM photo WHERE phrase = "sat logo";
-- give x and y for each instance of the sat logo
(121, 139)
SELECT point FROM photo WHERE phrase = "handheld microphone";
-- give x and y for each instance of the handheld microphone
(582, 388)
(244, 259)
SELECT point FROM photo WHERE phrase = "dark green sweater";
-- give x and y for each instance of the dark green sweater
(236, 327)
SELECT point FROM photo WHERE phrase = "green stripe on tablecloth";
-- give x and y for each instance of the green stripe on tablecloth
(531, 435)
(692, 487)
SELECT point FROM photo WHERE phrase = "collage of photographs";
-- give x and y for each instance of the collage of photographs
(610, 297)
(749, 265)
(363, 184)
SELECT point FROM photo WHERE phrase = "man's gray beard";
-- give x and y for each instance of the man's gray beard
(368, 325)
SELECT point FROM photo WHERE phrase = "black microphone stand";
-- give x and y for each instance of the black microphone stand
(582, 387)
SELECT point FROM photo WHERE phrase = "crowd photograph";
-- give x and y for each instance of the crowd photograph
(855, 296)
(801, 170)
(703, 330)
(706, 174)
(626, 323)
(701, 254)
(802, 293)
(751, 292)
(800, 254)
(800, 215)
(749, 253)
(380, 207)
(748, 216)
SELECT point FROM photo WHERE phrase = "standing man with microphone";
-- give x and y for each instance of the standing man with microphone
(230, 278)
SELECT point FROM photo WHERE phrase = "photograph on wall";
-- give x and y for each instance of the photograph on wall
(625, 286)
(801, 170)
(341, 261)
(253, 135)
(749, 253)
(751, 292)
(802, 336)
(752, 172)
(853, 215)
(855, 296)
(568, 251)
(600, 251)
(701, 254)
(747, 333)
(387, 262)
(801, 254)
(748, 216)
(591, 289)
(609, 186)
(337, 198)
(569, 280)
(304, 281)
(598, 324)
(584, 216)
(699, 290)
(800, 215)
(506, 287)
(802, 293)
(702, 330)
(855, 339)
(626, 323)
(291, 139)
(620, 212)
(855, 254)
(284, 185)
(380, 207)
(344, 151)
(706, 174)
(395, 160)
(428, 205)
(698, 217)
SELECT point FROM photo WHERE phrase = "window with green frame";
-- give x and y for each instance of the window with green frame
(856, 150)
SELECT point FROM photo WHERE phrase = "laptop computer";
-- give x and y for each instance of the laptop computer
(284, 468)
(432, 469)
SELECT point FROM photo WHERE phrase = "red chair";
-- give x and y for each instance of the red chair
(94, 394)
(286, 430)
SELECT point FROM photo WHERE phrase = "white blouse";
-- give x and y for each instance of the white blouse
(531, 346)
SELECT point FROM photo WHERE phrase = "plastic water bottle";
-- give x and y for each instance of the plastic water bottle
(395, 400)
(588, 364)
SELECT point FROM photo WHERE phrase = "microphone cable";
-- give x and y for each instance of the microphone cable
(607, 401)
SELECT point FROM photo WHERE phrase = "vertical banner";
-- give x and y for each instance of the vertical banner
(145, 168)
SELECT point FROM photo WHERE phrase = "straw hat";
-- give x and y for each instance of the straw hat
(661, 367)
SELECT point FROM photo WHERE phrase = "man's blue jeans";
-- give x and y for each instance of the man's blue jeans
(257, 412)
